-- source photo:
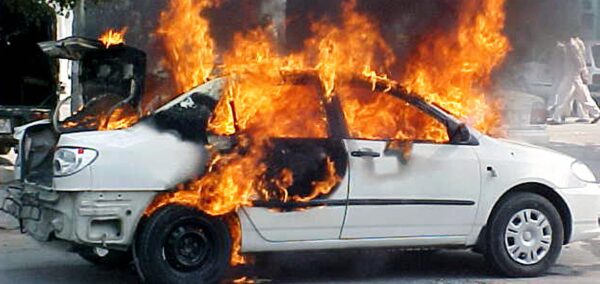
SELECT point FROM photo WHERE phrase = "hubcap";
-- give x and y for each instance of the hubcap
(528, 236)
(187, 248)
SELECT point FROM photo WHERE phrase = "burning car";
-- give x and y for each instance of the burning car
(333, 186)
(297, 151)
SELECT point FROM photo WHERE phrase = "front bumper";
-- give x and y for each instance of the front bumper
(99, 218)
(584, 205)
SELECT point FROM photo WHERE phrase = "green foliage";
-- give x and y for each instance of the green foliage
(36, 10)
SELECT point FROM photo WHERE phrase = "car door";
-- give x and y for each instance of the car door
(307, 158)
(406, 179)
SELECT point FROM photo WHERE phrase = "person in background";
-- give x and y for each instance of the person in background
(572, 87)
(563, 74)
(588, 109)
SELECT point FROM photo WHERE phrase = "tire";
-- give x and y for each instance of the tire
(519, 243)
(178, 244)
(4, 149)
(105, 258)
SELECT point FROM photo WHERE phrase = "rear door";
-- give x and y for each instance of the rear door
(406, 180)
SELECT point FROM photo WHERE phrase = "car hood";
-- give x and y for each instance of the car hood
(523, 162)
(520, 145)
(541, 154)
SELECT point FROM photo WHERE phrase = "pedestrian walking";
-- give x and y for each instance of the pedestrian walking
(561, 66)
(588, 109)
(572, 87)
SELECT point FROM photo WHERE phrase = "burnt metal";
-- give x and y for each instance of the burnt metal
(306, 158)
(189, 122)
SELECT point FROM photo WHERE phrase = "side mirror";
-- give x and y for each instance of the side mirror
(399, 148)
(462, 134)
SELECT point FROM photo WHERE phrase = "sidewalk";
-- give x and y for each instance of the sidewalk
(575, 133)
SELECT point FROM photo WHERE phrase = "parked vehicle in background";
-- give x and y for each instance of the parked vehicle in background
(14, 116)
(27, 83)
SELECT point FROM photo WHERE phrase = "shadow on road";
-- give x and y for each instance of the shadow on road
(365, 265)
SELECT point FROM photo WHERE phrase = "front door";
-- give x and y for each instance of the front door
(305, 174)
(406, 180)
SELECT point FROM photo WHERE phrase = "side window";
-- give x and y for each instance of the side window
(291, 111)
(380, 116)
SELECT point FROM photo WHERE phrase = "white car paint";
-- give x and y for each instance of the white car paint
(140, 158)
(433, 172)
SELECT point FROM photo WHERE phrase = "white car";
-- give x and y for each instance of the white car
(516, 203)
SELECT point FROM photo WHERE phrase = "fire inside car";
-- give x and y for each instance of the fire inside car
(188, 154)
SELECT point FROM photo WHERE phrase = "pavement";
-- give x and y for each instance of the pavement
(22, 260)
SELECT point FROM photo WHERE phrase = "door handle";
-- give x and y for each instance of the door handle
(364, 153)
(492, 171)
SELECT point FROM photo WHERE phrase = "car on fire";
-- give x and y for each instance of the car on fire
(516, 203)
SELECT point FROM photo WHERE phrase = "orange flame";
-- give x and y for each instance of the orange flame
(120, 118)
(96, 117)
(451, 68)
(189, 46)
(113, 37)
(348, 49)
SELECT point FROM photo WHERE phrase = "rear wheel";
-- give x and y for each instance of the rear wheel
(525, 235)
(105, 257)
(182, 245)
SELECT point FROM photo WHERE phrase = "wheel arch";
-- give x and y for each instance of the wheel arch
(545, 191)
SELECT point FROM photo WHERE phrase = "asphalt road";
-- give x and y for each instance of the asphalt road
(22, 260)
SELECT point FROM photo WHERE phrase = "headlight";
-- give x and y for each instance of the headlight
(68, 161)
(5, 125)
(582, 172)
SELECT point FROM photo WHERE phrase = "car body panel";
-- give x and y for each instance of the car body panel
(433, 193)
(584, 208)
(160, 160)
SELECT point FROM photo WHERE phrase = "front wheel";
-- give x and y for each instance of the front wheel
(525, 235)
(178, 244)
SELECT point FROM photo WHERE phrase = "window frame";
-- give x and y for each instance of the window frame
(454, 127)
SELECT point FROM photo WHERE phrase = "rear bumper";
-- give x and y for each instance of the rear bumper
(584, 205)
(97, 218)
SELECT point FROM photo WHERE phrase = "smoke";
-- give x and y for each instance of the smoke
(532, 26)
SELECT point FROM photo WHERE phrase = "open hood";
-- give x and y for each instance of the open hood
(73, 48)
(116, 70)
